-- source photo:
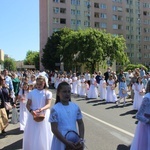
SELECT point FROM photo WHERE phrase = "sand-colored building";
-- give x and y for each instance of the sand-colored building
(130, 18)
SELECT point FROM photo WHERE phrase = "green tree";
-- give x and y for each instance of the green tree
(51, 54)
(9, 64)
(92, 46)
(32, 58)
(134, 66)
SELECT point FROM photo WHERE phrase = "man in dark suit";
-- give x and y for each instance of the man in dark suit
(107, 73)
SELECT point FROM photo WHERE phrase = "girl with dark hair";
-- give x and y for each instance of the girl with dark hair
(64, 116)
(142, 134)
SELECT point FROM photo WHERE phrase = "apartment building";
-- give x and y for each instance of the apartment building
(130, 18)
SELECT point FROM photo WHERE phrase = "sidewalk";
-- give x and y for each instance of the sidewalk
(13, 138)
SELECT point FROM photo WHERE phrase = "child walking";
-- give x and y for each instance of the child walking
(122, 91)
(64, 116)
(102, 88)
(38, 135)
(22, 96)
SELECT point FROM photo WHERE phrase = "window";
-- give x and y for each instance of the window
(73, 21)
(145, 13)
(129, 2)
(119, 9)
(73, 2)
(96, 15)
(103, 25)
(62, 10)
(73, 12)
(86, 23)
(62, 21)
(55, 1)
(55, 29)
(103, 6)
(55, 20)
(115, 26)
(120, 18)
(114, 8)
(78, 2)
(120, 26)
(56, 10)
(78, 12)
(103, 15)
(62, 1)
(96, 24)
(78, 22)
(96, 5)
(115, 17)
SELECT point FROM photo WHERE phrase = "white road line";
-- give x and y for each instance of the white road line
(110, 125)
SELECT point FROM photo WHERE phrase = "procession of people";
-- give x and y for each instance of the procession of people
(32, 90)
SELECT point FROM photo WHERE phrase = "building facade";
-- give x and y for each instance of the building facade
(130, 18)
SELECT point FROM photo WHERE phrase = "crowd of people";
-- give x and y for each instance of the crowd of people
(42, 130)
(30, 89)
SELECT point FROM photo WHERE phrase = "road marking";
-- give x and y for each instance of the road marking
(110, 125)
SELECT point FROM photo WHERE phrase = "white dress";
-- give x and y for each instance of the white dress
(83, 87)
(66, 117)
(111, 95)
(74, 85)
(102, 88)
(137, 97)
(141, 140)
(38, 135)
(93, 91)
(78, 86)
(23, 110)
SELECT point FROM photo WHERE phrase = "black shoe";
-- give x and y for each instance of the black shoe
(3, 132)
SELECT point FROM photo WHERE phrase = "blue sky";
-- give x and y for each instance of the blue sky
(19, 27)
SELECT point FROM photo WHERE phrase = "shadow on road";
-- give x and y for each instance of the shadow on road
(14, 146)
(100, 103)
(14, 132)
(92, 101)
(131, 112)
(123, 147)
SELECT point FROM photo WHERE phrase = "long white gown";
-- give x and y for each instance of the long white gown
(137, 97)
(111, 95)
(38, 135)
(102, 89)
(66, 117)
(23, 110)
(93, 91)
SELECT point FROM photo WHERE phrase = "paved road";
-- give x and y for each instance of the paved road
(107, 126)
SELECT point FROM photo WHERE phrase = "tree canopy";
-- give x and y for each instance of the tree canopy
(87, 47)
(32, 58)
(9, 64)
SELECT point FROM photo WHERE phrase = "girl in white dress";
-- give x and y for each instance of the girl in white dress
(70, 81)
(38, 135)
(138, 93)
(83, 86)
(78, 85)
(93, 91)
(74, 84)
(111, 95)
(22, 96)
(102, 88)
(65, 116)
(141, 140)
